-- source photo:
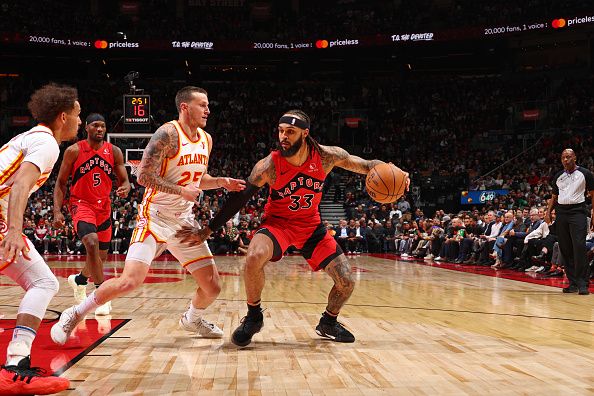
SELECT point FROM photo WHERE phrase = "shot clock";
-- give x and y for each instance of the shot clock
(137, 112)
(137, 109)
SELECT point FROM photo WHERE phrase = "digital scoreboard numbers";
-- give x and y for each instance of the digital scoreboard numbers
(137, 112)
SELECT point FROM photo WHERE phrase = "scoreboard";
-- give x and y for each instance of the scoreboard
(137, 113)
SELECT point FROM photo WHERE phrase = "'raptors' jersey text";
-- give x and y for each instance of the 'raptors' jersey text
(297, 191)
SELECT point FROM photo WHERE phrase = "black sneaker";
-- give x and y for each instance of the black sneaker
(334, 331)
(554, 274)
(570, 289)
(583, 291)
(249, 326)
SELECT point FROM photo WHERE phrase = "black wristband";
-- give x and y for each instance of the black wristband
(234, 202)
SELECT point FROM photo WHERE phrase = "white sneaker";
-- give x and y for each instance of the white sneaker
(104, 309)
(532, 269)
(404, 255)
(61, 331)
(80, 291)
(540, 269)
(103, 324)
(202, 327)
(429, 257)
(438, 259)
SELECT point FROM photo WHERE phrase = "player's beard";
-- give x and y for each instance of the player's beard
(293, 149)
(95, 138)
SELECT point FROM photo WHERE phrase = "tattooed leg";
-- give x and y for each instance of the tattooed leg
(259, 253)
(340, 272)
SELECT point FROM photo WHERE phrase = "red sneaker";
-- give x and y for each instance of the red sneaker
(26, 380)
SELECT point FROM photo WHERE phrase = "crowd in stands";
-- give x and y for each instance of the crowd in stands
(438, 128)
(256, 20)
(518, 238)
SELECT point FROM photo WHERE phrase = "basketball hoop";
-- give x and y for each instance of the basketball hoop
(133, 164)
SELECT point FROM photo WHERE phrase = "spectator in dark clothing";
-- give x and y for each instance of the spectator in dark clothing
(375, 238)
(515, 239)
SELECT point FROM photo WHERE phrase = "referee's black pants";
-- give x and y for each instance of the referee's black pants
(572, 228)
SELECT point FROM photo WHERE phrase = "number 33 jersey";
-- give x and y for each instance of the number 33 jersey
(297, 191)
(187, 166)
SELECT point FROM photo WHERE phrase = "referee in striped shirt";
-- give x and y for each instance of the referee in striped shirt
(570, 188)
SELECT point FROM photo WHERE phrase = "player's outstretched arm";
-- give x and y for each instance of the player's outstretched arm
(163, 144)
(70, 156)
(209, 182)
(336, 156)
(121, 173)
(262, 173)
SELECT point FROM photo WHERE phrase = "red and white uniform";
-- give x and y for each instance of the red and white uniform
(161, 214)
(37, 146)
(292, 216)
(92, 174)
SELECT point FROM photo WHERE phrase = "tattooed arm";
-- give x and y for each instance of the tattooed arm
(335, 156)
(163, 145)
(263, 172)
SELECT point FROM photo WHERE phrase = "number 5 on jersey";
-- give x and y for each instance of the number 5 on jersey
(186, 176)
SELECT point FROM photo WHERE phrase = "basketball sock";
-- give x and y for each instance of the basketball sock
(194, 314)
(88, 305)
(329, 316)
(20, 346)
(254, 309)
(80, 279)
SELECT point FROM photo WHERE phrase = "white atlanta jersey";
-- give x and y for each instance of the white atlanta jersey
(37, 146)
(187, 166)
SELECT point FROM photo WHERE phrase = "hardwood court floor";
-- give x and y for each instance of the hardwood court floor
(420, 330)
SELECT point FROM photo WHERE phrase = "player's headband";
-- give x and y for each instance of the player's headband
(91, 118)
(298, 122)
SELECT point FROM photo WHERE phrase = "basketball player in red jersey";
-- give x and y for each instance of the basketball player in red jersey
(91, 164)
(296, 176)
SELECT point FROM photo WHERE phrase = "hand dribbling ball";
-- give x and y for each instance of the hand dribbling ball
(386, 183)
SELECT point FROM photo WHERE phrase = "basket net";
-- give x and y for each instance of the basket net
(133, 164)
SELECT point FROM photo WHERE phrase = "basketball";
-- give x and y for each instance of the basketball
(385, 183)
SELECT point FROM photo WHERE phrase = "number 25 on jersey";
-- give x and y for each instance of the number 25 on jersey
(186, 177)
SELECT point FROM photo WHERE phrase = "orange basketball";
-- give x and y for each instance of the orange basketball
(385, 183)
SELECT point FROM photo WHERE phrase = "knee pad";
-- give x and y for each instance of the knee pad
(49, 283)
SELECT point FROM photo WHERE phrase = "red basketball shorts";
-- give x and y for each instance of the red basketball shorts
(315, 243)
(88, 218)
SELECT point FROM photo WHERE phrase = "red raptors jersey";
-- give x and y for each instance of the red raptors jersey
(297, 191)
(91, 173)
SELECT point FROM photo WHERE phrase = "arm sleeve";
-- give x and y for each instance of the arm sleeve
(589, 180)
(41, 150)
(232, 205)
